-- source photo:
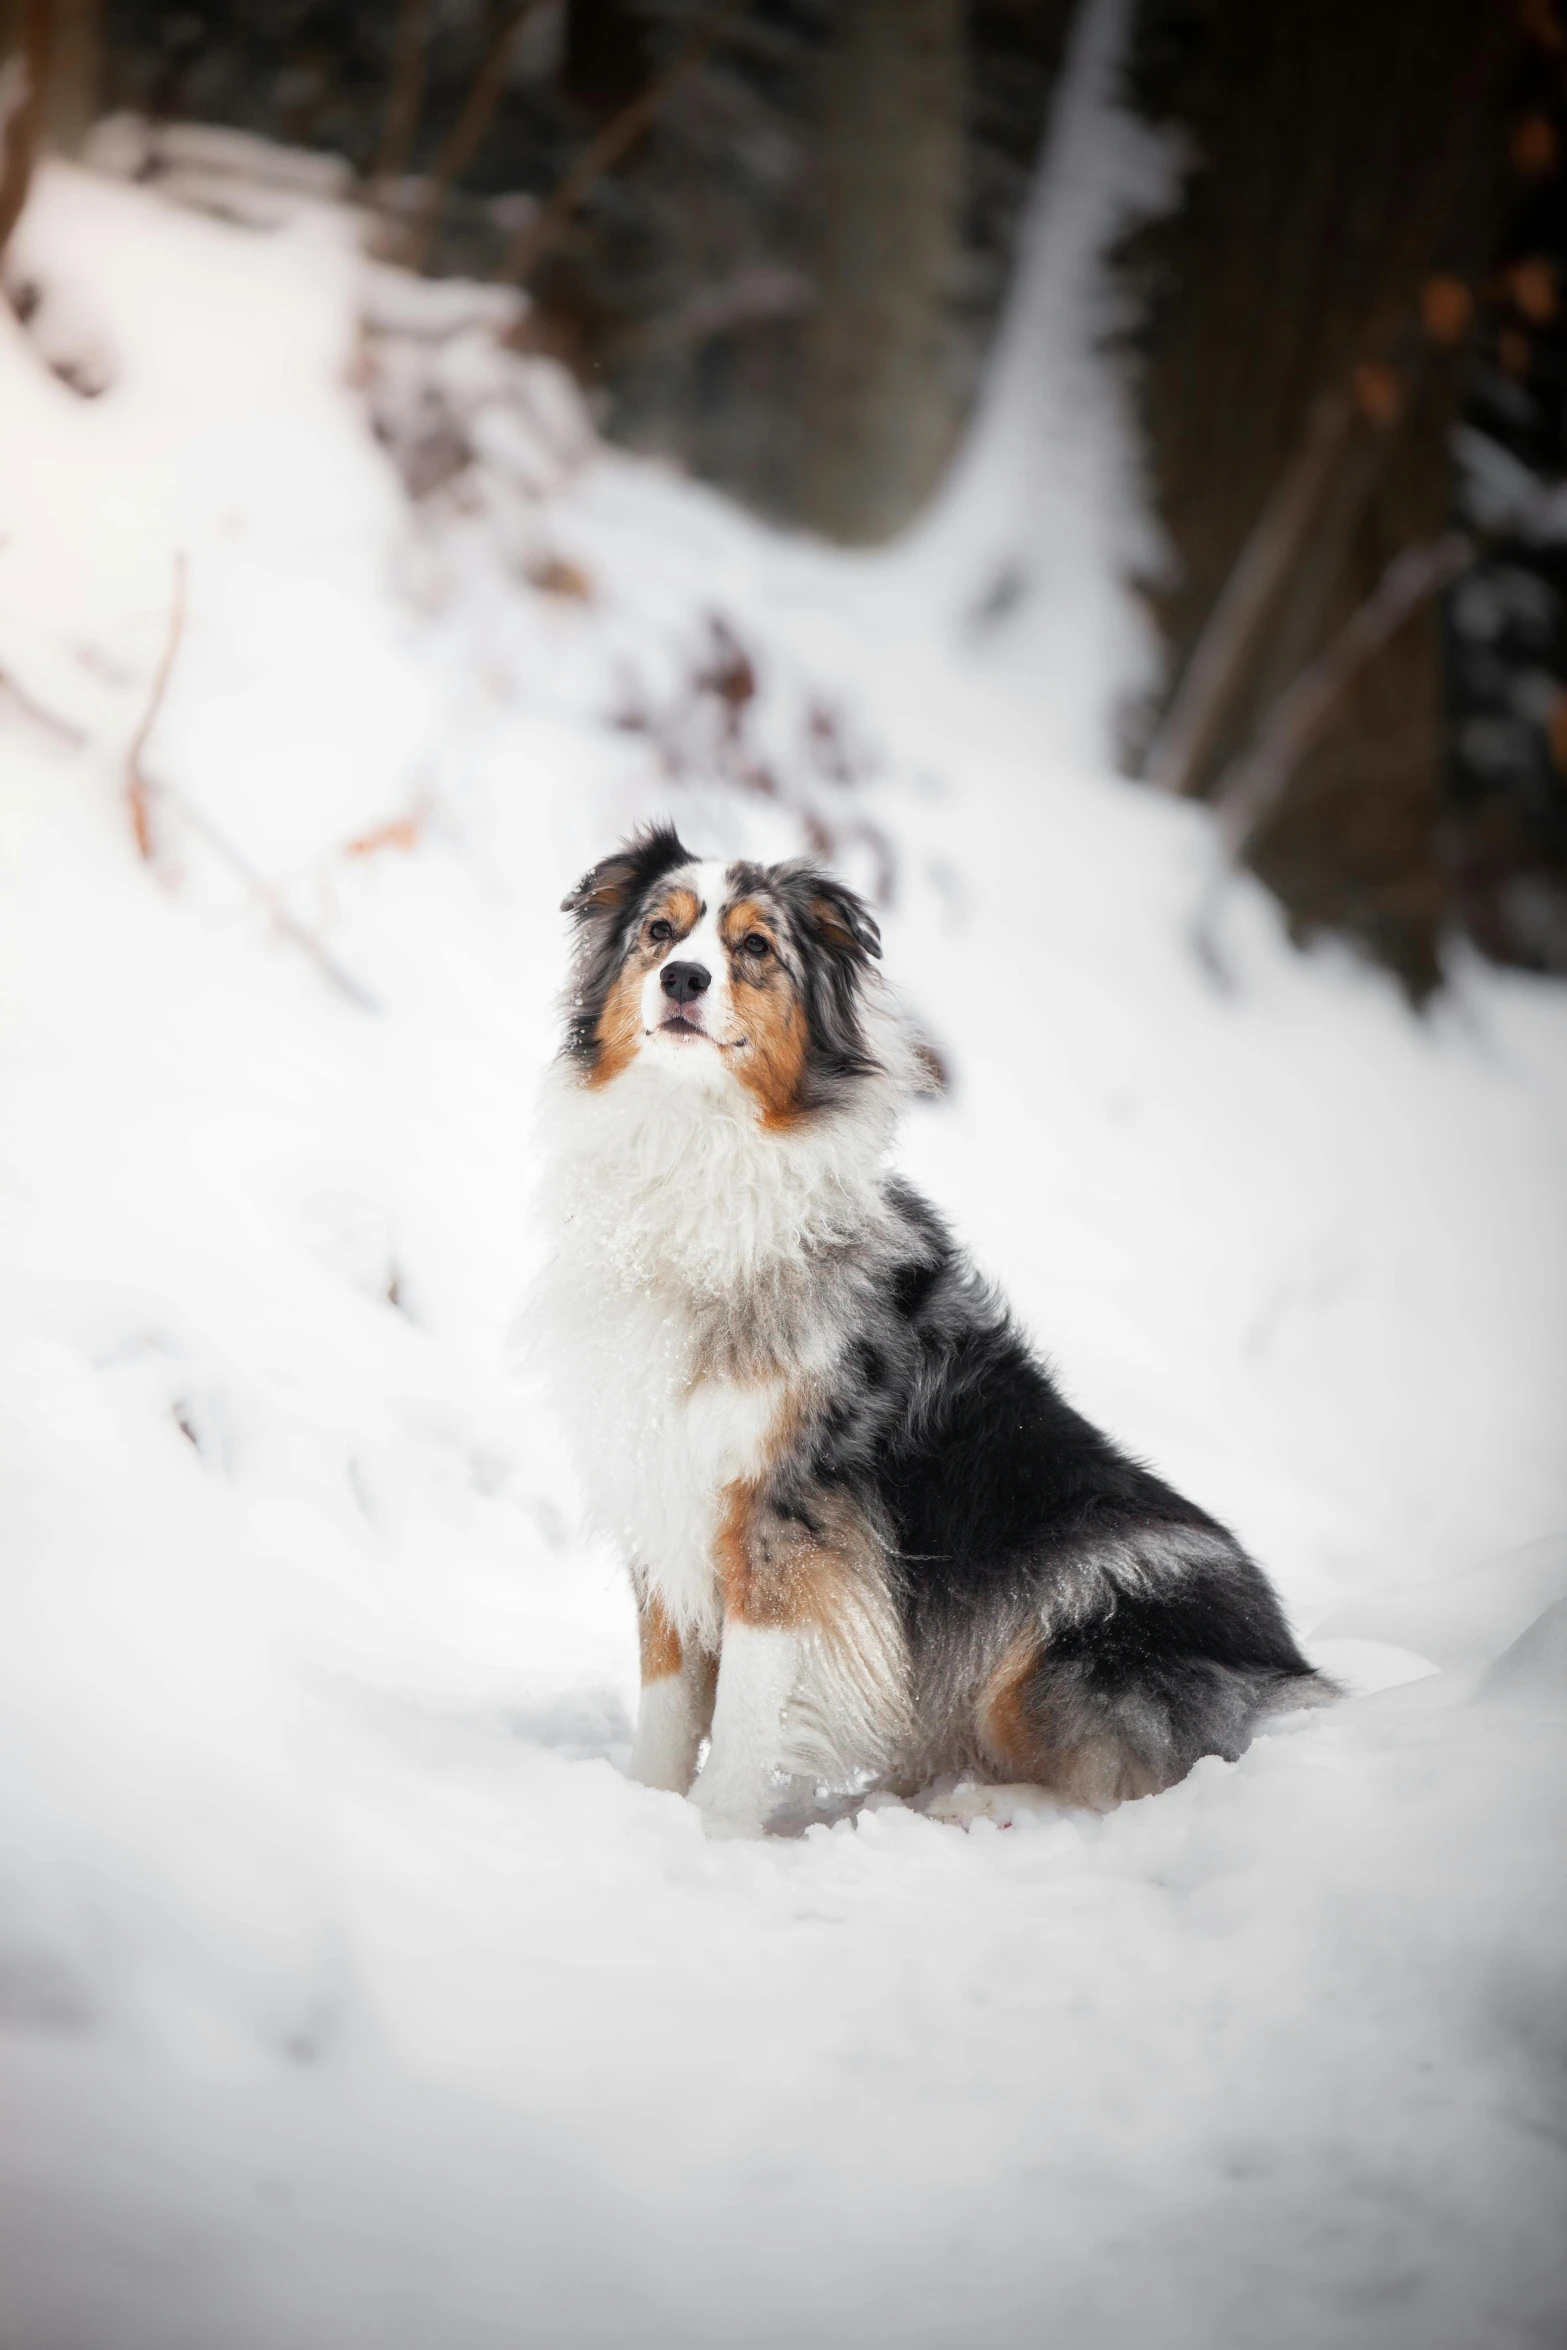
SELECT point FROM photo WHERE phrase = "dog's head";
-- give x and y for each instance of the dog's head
(718, 975)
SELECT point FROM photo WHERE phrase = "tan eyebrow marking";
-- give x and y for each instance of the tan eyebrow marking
(744, 916)
(679, 906)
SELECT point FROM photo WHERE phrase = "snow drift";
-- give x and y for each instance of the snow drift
(350, 1995)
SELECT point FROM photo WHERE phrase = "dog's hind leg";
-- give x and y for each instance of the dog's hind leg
(1174, 1657)
(675, 1710)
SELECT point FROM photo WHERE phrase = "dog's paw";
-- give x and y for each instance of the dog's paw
(728, 1809)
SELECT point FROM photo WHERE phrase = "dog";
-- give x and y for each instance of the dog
(870, 1541)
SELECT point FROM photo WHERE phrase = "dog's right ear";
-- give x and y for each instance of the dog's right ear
(620, 880)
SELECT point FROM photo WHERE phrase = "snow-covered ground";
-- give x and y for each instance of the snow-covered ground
(350, 1996)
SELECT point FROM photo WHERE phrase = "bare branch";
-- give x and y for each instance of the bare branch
(619, 135)
(140, 793)
(64, 730)
(468, 131)
(331, 970)
(1175, 757)
(138, 790)
(405, 97)
(1253, 786)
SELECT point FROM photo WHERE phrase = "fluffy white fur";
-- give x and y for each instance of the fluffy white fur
(666, 1197)
(671, 1724)
(758, 1675)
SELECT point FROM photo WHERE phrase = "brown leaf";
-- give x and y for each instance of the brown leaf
(402, 833)
(730, 673)
(1556, 732)
(1532, 285)
(553, 575)
(1512, 352)
(1446, 307)
(1379, 393)
(1533, 146)
(1541, 23)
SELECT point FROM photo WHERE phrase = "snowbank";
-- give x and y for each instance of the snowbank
(349, 1993)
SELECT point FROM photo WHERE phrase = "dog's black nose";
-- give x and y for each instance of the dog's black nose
(682, 981)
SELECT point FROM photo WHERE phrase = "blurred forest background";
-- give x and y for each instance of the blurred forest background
(773, 239)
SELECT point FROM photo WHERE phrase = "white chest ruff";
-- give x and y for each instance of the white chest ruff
(665, 1201)
(657, 1444)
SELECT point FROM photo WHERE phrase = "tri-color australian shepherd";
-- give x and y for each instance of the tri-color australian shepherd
(871, 1543)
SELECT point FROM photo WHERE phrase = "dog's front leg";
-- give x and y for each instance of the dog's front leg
(758, 1668)
(759, 1562)
(676, 1705)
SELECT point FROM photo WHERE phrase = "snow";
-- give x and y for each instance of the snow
(349, 1993)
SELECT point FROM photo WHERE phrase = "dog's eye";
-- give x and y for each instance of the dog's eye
(754, 944)
(661, 931)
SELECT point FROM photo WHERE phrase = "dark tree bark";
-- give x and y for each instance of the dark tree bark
(1349, 152)
(26, 46)
(881, 393)
(405, 93)
(605, 60)
(75, 72)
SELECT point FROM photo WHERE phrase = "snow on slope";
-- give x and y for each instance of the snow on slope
(350, 1995)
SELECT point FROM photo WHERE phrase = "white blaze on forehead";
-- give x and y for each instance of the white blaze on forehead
(709, 885)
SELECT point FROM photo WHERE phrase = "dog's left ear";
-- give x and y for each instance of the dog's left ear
(842, 921)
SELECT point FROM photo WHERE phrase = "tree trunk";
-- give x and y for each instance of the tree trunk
(75, 72)
(1348, 152)
(26, 32)
(881, 396)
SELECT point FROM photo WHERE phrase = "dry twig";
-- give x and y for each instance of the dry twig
(140, 793)
(1175, 757)
(138, 790)
(468, 131)
(299, 933)
(1253, 786)
(64, 730)
(400, 832)
(405, 99)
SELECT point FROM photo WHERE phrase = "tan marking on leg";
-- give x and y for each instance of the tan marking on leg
(658, 1641)
(736, 1542)
(1096, 1773)
(732, 1548)
(739, 1515)
(776, 1571)
(826, 1582)
(679, 1684)
(702, 1671)
(1010, 1740)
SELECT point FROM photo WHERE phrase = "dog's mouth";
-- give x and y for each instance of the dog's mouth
(677, 1025)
